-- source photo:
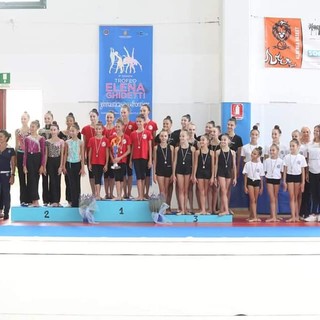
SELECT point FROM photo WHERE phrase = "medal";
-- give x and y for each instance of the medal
(226, 159)
(139, 139)
(184, 155)
(165, 154)
(97, 146)
(204, 160)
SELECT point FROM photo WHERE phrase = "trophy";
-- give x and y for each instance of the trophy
(115, 166)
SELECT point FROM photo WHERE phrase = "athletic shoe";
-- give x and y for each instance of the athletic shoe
(311, 218)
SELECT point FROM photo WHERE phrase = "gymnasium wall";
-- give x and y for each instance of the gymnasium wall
(194, 69)
(288, 97)
(57, 50)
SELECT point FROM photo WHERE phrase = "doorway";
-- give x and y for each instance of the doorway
(17, 102)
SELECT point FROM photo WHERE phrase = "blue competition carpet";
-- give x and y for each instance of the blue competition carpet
(153, 231)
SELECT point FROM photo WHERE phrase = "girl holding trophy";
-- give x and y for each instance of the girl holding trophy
(120, 148)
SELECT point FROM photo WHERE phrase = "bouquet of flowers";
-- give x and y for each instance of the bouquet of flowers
(87, 207)
(158, 208)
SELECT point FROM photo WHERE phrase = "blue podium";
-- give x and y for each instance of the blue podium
(107, 211)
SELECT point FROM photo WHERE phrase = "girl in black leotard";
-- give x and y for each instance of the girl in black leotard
(213, 190)
(225, 172)
(166, 126)
(182, 169)
(162, 165)
(184, 126)
(192, 142)
(203, 171)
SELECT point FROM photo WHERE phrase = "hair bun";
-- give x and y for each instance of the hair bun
(55, 124)
(187, 116)
(76, 125)
(233, 119)
(255, 127)
(70, 114)
(276, 127)
(94, 110)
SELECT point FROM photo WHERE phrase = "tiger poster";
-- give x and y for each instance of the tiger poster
(283, 43)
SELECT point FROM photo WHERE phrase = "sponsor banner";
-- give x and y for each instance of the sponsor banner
(125, 68)
(311, 44)
(283, 43)
(292, 43)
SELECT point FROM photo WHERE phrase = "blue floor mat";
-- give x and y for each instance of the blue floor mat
(153, 231)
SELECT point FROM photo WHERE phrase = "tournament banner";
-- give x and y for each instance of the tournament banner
(292, 43)
(125, 69)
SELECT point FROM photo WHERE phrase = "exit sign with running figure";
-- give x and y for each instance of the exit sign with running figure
(4, 78)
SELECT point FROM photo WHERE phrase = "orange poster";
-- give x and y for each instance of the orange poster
(283, 43)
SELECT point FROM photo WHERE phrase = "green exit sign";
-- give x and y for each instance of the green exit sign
(4, 78)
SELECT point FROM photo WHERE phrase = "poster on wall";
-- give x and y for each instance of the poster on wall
(125, 68)
(292, 43)
(283, 43)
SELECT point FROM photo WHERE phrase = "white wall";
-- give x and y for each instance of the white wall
(57, 50)
(287, 97)
(273, 84)
(236, 48)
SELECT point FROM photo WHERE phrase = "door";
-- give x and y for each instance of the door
(3, 108)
